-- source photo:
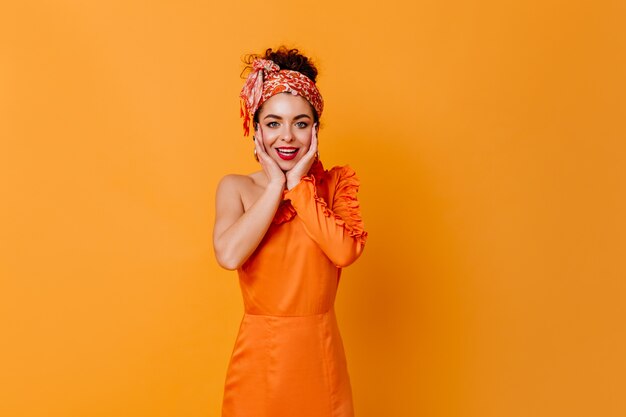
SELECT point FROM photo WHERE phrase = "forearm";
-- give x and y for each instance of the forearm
(239, 241)
(339, 234)
(341, 244)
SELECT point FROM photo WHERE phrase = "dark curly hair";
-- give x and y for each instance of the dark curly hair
(285, 58)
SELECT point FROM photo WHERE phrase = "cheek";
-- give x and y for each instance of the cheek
(304, 137)
(268, 138)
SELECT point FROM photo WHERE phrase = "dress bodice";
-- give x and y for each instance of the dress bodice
(317, 230)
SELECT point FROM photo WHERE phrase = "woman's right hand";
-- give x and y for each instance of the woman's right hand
(274, 174)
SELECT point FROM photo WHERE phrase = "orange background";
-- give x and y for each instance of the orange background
(489, 139)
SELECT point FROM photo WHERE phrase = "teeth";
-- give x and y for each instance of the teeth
(288, 152)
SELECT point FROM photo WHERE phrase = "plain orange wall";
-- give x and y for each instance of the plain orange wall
(489, 139)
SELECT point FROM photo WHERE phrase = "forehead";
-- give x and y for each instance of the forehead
(286, 105)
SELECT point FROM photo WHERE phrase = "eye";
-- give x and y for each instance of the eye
(272, 124)
(302, 125)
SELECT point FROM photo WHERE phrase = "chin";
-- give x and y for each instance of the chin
(286, 166)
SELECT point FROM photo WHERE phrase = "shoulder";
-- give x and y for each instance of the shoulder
(230, 181)
(342, 170)
(234, 184)
(238, 180)
(343, 181)
(321, 173)
(344, 174)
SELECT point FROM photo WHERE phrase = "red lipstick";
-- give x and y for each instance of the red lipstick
(287, 152)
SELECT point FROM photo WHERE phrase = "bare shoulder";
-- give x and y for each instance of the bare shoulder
(245, 188)
(239, 182)
(229, 189)
(231, 182)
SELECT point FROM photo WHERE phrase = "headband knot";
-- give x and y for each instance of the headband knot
(267, 79)
(265, 64)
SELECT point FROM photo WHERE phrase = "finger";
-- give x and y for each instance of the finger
(314, 139)
(259, 132)
(255, 136)
(261, 143)
(259, 146)
(260, 153)
(257, 151)
(313, 146)
(256, 145)
(263, 155)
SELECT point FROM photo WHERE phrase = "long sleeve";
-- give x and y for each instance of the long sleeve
(337, 229)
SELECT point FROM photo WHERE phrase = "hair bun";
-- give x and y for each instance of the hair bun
(285, 58)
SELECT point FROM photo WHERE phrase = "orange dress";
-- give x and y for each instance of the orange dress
(288, 359)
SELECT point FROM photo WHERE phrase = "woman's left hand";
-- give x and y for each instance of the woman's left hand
(295, 174)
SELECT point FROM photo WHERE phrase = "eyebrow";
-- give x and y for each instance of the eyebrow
(300, 116)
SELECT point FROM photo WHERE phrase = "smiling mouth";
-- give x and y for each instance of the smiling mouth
(287, 153)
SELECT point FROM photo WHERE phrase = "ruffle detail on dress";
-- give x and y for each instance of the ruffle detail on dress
(317, 169)
(285, 211)
(345, 201)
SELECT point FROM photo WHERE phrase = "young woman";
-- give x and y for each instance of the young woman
(288, 229)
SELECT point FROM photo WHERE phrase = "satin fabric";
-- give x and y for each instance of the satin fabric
(288, 359)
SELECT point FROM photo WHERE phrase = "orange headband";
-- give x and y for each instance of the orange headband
(266, 80)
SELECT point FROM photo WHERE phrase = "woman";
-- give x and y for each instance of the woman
(288, 229)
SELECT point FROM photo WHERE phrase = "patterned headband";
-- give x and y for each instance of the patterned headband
(266, 80)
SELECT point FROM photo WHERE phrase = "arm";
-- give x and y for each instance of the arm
(237, 233)
(339, 232)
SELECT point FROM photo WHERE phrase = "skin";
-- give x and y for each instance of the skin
(246, 204)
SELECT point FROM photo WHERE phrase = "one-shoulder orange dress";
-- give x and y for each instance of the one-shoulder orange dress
(288, 359)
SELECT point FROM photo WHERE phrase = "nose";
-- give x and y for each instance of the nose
(287, 135)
